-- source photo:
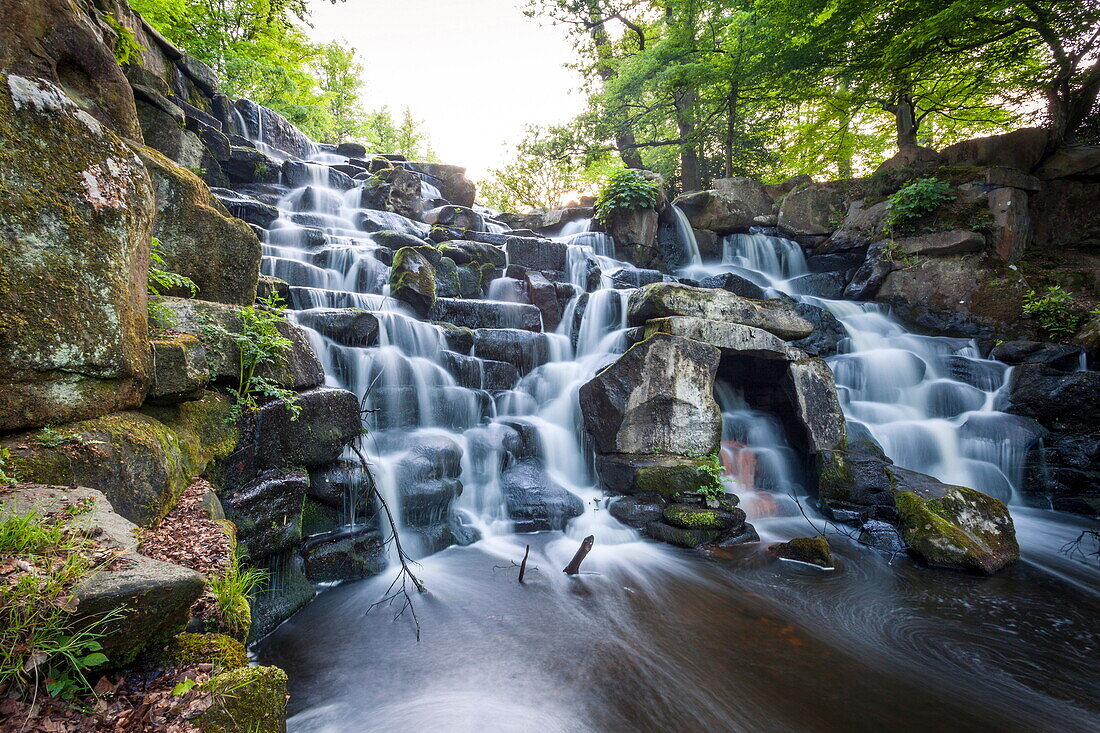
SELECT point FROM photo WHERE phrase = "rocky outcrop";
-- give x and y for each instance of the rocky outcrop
(662, 300)
(76, 211)
(725, 212)
(413, 279)
(813, 210)
(655, 399)
(396, 190)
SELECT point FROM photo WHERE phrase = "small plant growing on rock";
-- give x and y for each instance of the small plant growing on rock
(1053, 310)
(161, 316)
(261, 344)
(232, 591)
(913, 201)
(625, 190)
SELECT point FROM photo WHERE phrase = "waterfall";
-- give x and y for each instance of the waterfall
(686, 236)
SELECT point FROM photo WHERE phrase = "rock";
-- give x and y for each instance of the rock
(262, 125)
(268, 512)
(1063, 357)
(224, 652)
(157, 595)
(452, 181)
(248, 165)
(249, 698)
(828, 331)
(75, 211)
(747, 190)
(455, 217)
(345, 555)
(215, 324)
(251, 210)
(732, 338)
(536, 254)
(855, 483)
(724, 212)
(656, 398)
(351, 150)
(1020, 149)
(535, 501)
(808, 385)
(274, 438)
(862, 225)
(544, 296)
(198, 237)
(345, 326)
(658, 475)
(957, 527)
(813, 210)
(882, 536)
(547, 222)
(682, 537)
(1071, 161)
(807, 550)
(1011, 222)
(394, 189)
(955, 241)
(486, 314)
(661, 300)
(413, 279)
(1063, 473)
(525, 350)
(828, 285)
(1057, 204)
(162, 131)
(638, 511)
(635, 235)
(69, 47)
(141, 462)
(695, 516)
(180, 371)
(734, 284)
(314, 177)
(1057, 400)
(912, 157)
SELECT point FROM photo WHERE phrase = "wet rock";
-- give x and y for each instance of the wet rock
(633, 277)
(346, 555)
(1063, 473)
(298, 174)
(268, 512)
(466, 252)
(536, 254)
(535, 501)
(251, 210)
(724, 212)
(657, 398)
(550, 221)
(808, 550)
(269, 127)
(346, 326)
(393, 189)
(638, 511)
(829, 285)
(284, 590)
(732, 338)
(828, 331)
(809, 387)
(351, 150)
(486, 314)
(1062, 357)
(862, 225)
(882, 536)
(370, 220)
(395, 240)
(413, 279)
(452, 181)
(455, 217)
(157, 595)
(75, 212)
(180, 371)
(856, 483)
(544, 296)
(735, 284)
(248, 165)
(635, 235)
(956, 527)
(524, 349)
(666, 476)
(269, 286)
(673, 299)
(1058, 400)
(682, 537)
(696, 516)
(869, 278)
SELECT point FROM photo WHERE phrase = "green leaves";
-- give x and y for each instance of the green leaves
(920, 197)
(1054, 311)
(627, 189)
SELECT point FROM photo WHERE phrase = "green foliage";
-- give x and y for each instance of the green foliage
(232, 591)
(261, 344)
(913, 201)
(715, 489)
(47, 557)
(126, 47)
(625, 190)
(5, 463)
(1054, 311)
(160, 315)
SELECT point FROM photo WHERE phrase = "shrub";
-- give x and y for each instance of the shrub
(1053, 310)
(627, 189)
(913, 201)
(262, 344)
(47, 557)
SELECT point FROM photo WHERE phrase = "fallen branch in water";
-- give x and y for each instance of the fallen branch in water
(848, 532)
(522, 565)
(1073, 548)
(574, 565)
(406, 575)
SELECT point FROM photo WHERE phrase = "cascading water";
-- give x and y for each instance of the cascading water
(673, 635)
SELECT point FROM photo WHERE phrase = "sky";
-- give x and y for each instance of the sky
(474, 71)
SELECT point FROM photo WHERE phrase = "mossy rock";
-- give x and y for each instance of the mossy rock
(412, 279)
(220, 650)
(142, 461)
(396, 240)
(692, 476)
(249, 699)
(695, 516)
(76, 209)
(961, 528)
(809, 550)
(681, 536)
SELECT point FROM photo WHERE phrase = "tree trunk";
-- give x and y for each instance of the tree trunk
(625, 141)
(690, 178)
(905, 120)
(731, 128)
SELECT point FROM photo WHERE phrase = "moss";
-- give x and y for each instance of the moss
(963, 529)
(249, 699)
(318, 518)
(693, 517)
(834, 476)
(411, 271)
(690, 477)
(220, 650)
(811, 550)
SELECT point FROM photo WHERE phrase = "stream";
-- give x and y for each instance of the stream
(650, 637)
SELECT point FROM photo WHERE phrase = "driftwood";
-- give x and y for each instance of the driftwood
(523, 565)
(574, 565)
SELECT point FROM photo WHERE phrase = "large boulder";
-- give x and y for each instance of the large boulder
(862, 225)
(72, 47)
(180, 370)
(635, 235)
(1066, 214)
(142, 461)
(393, 189)
(810, 390)
(413, 278)
(198, 237)
(451, 181)
(813, 210)
(1071, 161)
(661, 300)
(656, 398)
(724, 212)
(1057, 400)
(656, 475)
(268, 512)
(733, 339)
(76, 209)
(265, 126)
(156, 596)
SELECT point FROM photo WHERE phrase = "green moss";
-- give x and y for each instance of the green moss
(963, 529)
(811, 550)
(691, 477)
(407, 273)
(318, 517)
(249, 699)
(834, 476)
(691, 517)
(217, 649)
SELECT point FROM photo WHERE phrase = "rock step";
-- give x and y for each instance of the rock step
(456, 408)
(525, 350)
(486, 314)
(304, 298)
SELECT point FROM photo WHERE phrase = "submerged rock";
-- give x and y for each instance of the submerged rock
(535, 501)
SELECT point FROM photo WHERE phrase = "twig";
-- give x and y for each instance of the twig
(523, 565)
(1073, 547)
(574, 566)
